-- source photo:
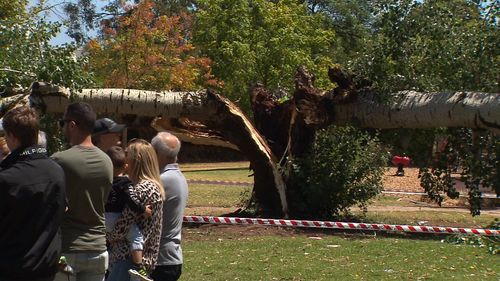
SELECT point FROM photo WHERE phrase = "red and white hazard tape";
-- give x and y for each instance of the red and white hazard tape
(343, 225)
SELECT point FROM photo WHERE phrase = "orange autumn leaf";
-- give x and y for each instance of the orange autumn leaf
(148, 52)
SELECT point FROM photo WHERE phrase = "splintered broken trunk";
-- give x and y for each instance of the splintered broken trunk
(290, 126)
(213, 110)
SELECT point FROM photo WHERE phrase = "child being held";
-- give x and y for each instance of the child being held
(119, 197)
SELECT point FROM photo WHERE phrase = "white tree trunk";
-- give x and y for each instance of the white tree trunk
(406, 109)
(129, 101)
(410, 109)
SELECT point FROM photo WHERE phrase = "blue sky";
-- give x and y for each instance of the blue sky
(56, 14)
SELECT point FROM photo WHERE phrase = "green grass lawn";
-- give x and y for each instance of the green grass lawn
(240, 175)
(217, 195)
(333, 258)
(214, 165)
(234, 253)
(202, 195)
(432, 218)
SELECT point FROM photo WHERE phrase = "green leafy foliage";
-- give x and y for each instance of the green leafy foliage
(28, 56)
(12, 8)
(492, 244)
(351, 20)
(476, 153)
(261, 41)
(436, 45)
(432, 45)
(344, 168)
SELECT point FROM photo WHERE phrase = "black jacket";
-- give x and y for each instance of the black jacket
(32, 205)
(121, 196)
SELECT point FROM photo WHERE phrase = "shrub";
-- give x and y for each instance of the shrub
(343, 168)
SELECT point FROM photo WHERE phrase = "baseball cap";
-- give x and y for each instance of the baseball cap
(106, 126)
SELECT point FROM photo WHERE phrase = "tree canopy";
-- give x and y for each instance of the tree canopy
(143, 51)
(261, 41)
(26, 53)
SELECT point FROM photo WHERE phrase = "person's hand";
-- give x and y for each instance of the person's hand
(148, 212)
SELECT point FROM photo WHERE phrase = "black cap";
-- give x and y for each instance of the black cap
(106, 126)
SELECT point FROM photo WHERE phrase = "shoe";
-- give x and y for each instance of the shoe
(139, 273)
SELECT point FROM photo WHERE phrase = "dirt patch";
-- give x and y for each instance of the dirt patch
(202, 232)
(407, 183)
(210, 232)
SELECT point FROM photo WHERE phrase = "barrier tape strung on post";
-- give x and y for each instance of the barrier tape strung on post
(342, 225)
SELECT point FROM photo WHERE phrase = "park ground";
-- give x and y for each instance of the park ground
(223, 252)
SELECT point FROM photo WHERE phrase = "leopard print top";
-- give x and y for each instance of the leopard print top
(149, 194)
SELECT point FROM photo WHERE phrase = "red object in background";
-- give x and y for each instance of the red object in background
(401, 160)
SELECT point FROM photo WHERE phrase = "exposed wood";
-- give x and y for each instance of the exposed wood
(217, 112)
(193, 132)
(290, 126)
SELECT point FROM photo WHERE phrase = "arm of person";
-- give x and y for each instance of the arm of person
(135, 203)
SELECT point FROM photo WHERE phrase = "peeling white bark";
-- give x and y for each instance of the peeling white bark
(410, 109)
(129, 101)
(405, 109)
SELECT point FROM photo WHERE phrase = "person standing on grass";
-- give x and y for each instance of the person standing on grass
(89, 175)
(32, 202)
(169, 265)
(144, 173)
(122, 195)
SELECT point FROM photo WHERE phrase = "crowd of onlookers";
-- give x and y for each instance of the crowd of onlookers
(97, 211)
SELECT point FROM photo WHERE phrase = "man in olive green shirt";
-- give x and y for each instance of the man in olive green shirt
(89, 175)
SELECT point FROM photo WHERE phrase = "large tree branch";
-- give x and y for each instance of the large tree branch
(215, 111)
(410, 109)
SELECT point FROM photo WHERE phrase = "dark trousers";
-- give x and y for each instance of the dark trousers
(167, 272)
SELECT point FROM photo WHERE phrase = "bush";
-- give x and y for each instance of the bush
(343, 168)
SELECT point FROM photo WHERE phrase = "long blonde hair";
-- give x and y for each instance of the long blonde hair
(144, 164)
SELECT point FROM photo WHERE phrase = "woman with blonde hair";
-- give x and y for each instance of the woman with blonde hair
(144, 172)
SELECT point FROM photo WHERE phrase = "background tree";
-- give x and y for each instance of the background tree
(26, 53)
(148, 52)
(261, 41)
(351, 20)
(12, 8)
(433, 45)
(437, 45)
(84, 17)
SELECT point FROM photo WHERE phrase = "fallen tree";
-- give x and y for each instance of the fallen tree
(283, 129)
